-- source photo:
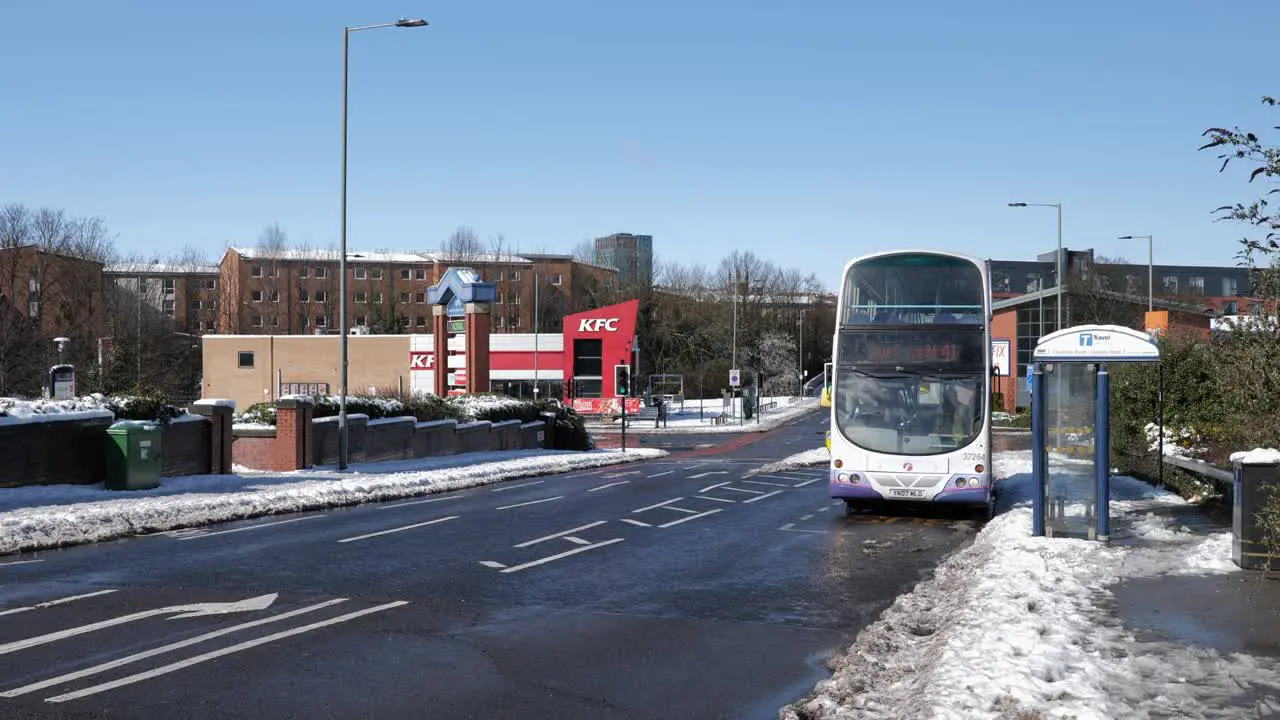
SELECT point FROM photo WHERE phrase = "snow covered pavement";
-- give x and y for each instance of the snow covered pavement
(33, 518)
(1015, 626)
(688, 421)
(808, 458)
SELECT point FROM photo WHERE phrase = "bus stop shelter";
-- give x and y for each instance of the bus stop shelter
(1070, 426)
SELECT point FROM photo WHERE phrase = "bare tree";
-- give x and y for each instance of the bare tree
(463, 246)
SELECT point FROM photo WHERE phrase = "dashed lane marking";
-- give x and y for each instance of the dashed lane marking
(661, 504)
(531, 502)
(513, 487)
(716, 499)
(761, 482)
(709, 488)
(609, 485)
(246, 528)
(399, 529)
(59, 601)
(691, 517)
(553, 536)
(660, 474)
(636, 522)
(420, 502)
(806, 482)
(761, 497)
(567, 553)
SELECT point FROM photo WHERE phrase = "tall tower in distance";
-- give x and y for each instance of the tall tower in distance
(631, 255)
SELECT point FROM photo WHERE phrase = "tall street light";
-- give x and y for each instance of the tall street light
(1151, 268)
(1057, 263)
(342, 252)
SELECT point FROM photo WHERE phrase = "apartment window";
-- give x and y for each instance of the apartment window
(515, 299)
(167, 306)
(302, 295)
(302, 272)
(322, 321)
(404, 297)
(1196, 285)
(420, 321)
(33, 308)
(319, 296)
(304, 321)
(1171, 284)
(274, 296)
(359, 273)
(515, 275)
(404, 274)
(256, 321)
(1230, 287)
(255, 271)
(515, 321)
(420, 298)
(557, 279)
(377, 298)
(420, 274)
(169, 286)
(255, 295)
(206, 325)
(244, 359)
(275, 321)
(999, 281)
(320, 273)
(360, 321)
(1231, 307)
(501, 322)
(1033, 282)
(195, 304)
(376, 273)
(361, 296)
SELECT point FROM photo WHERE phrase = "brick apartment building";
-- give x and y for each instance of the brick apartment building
(186, 294)
(294, 292)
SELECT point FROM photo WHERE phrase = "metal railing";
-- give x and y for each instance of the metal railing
(1201, 468)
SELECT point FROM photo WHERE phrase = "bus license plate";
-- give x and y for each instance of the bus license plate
(899, 492)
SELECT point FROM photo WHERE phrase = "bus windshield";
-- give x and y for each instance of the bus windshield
(913, 289)
(909, 413)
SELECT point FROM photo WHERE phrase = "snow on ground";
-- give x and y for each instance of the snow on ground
(1015, 626)
(33, 518)
(687, 420)
(808, 458)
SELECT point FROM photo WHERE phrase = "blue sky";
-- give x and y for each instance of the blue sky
(806, 133)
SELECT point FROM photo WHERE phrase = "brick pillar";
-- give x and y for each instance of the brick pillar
(440, 345)
(219, 413)
(548, 430)
(294, 433)
(477, 347)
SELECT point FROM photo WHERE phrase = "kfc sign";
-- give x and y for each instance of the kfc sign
(422, 360)
(596, 324)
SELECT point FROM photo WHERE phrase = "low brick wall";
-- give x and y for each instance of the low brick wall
(253, 447)
(54, 452)
(389, 439)
(507, 435)
(326, 438)
(474, 437)
(533, 435)
(435, 438)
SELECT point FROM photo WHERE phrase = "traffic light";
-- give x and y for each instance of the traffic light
(622, 380)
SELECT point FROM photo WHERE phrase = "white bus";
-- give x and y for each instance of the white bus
(911, 385)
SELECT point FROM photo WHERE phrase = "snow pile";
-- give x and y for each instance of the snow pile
(1184, 443)
(13, 410)
(1016, 626)
(473, 406)
(808, 458)
(36, 518)
(1257, 456)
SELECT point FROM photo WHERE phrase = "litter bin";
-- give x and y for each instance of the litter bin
(1257, 478)
(134, 455)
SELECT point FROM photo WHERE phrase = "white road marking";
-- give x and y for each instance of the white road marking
(679, 509)
(709, 472)
(421, 502)
(601, 487)
(399, 529)
(707, 497)
(668, 502)
(577, 540)
(59, 601)
(531, 502)
(660, 474)
(788, 526)
(560, 534)
(775, 492)
(794, 475)
(194, 610)
(824, 508)
(807, 517)
(761, 482)
(513, 487)
(567, 553)
(249, 527)
(806, 482)
(636, 522)
(709, 488)
(815, 532)
(62, 679)
(691, 517)
(620, 474)
(492, 564)
(753, 492)
(165, 669)
(19, 562)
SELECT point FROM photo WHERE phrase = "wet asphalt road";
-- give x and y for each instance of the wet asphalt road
(680, 587)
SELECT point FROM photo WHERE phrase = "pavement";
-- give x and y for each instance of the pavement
(678, 587)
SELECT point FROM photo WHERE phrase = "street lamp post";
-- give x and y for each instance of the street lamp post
(1057, 262)
(342, 252)
(1151, 271)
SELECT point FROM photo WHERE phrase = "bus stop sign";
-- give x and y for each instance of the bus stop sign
(735, 377)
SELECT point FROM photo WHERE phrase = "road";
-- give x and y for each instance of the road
(679, 587)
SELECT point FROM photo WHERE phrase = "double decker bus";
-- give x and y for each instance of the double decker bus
(911, 384)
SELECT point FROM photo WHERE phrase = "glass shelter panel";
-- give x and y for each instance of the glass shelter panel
(1070, 412)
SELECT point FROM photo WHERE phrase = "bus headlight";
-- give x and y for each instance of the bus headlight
(973, 482)
(843, 477)
(853, 478)
(959, 482)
